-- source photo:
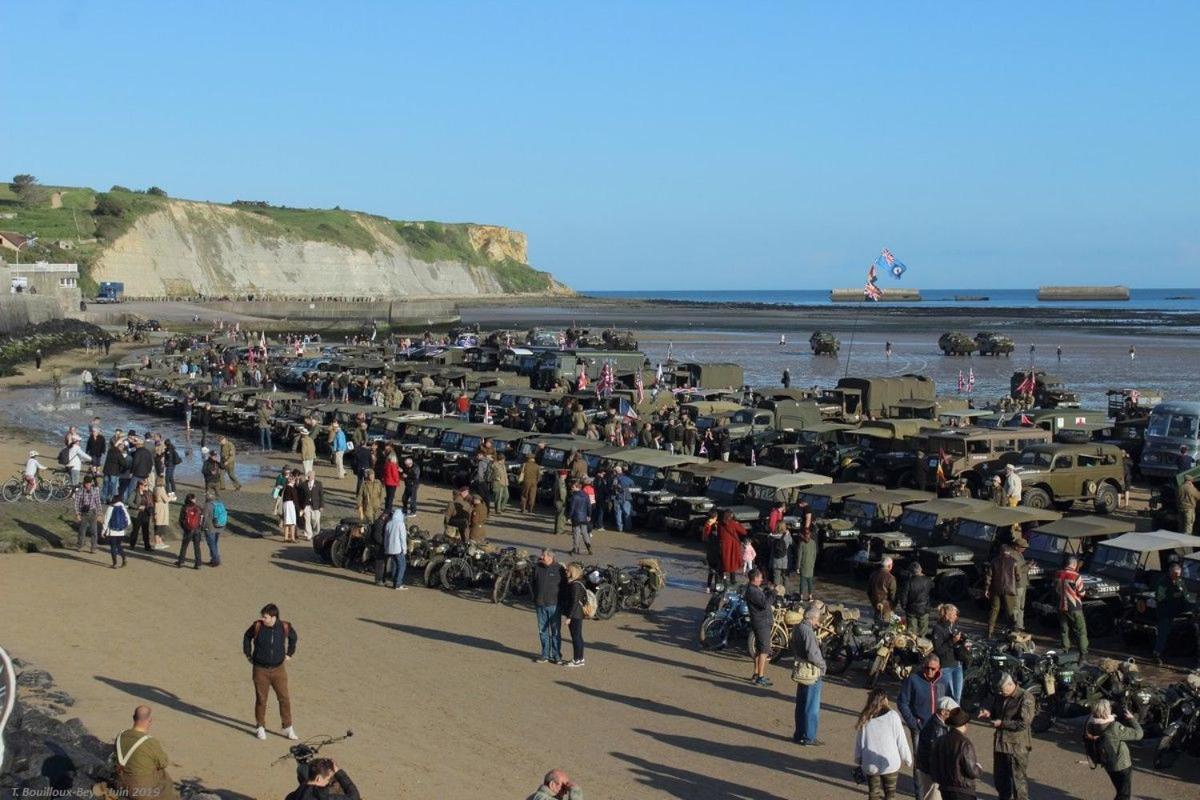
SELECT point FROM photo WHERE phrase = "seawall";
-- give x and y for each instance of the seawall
(19, 310)
(1093, 293)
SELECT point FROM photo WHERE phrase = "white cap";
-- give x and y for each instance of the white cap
(304, 431)
(33, 453)
(203, 450)
(946, 704)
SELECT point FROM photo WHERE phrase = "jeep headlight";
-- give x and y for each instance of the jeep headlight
(847, 461)
(904, 541)
(706, 505)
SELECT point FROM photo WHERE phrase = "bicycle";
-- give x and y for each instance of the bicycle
(15, 489)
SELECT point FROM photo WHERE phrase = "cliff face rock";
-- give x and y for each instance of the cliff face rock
(189, 248)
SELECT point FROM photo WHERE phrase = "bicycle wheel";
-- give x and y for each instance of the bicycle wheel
(44, 491)
(62, 489)
(11, 492)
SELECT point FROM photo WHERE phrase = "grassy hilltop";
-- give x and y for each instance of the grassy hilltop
(88, 222)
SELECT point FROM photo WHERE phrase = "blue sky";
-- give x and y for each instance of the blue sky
(654, 145)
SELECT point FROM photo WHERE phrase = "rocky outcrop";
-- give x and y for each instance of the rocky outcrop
(201, 249)
(48, 756)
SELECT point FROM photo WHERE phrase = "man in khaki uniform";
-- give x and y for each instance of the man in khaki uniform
(370, 496)
(529, 482)
(1188, 496)
(228, 462)
(142, 762)
(307, 449)
(459, 512)
(479, 518)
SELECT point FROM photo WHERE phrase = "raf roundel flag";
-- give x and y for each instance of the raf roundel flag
(891, 264)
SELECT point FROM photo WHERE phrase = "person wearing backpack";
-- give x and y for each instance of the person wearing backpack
(575, 599)
(268, 644)
(215, 518)
(1104, 741)
(116, 525)
(191, 520)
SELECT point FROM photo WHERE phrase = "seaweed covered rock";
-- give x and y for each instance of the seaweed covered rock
(53, 336)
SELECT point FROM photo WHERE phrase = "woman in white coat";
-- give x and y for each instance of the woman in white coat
(395, 545)
(880, 746)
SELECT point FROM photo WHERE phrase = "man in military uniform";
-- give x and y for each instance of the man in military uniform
(560, 502)
(1069, 584)
(1000, 587)
(921, 470)
(142, 762)
(1188, 495)
(1019, 546)
(228, 462)
(529, 481)
(370, 496)
(458, 512)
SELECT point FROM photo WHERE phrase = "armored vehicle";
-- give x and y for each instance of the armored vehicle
(957, 343)
(993, 344)
(824, 343)
(1062, 474)
(1049, 547)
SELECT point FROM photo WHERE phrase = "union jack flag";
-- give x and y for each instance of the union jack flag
(872, 292)
(971, 380)
(1027, 386)
(639, 387)
(583, 381)
(604, 386)
(1025, 421)
(962, 382)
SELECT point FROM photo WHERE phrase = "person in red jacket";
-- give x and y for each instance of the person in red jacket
(730, 532)
(391, 479)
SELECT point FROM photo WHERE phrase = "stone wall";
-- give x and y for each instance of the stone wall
(19, 310)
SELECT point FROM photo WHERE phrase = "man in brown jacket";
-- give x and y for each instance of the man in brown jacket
(142, 762)
(479, 518)
(1011, 714)
(881, 590)
(458, 511)
(1000, 587)
(1188, 495)
(370, 496)
(529, 481)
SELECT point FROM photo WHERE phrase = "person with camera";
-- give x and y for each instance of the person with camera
(322, 772)
(1105, 742)
(950, 646)
(556, 786)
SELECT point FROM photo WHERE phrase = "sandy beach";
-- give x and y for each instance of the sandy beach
(440, 690)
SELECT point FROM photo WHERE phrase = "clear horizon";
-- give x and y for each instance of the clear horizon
(664, 144)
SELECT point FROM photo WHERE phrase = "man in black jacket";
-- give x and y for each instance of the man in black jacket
(762, 617)
(95, 448)
(412, 482)
(914, 600)
(114, 465)
(953, 761)
(268, 643)
(321, 773)
(548, 580)
(142, 466)
(935, 728)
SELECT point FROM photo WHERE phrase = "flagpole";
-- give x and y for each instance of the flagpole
(853, 330)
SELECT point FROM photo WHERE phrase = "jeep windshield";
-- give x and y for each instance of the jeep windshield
(977, 531)
(818, 504)
(1045, 547)
(470, 444)
(1036, 459)
(918, 520)
(1115, 562)
(429, 436)
(677, 482)
(553, 458)
(450, 440)
(1191, 570)
(722, 488)
(858, 510)
(759, 492)
(643, 475)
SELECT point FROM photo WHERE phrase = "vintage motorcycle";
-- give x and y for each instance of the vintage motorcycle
(628, 588)
(513, 578)
(852, 640)
(1181, 732)
(728, 620)
(896, 653)
(478, 564)
(1062, 688)
(306, 752)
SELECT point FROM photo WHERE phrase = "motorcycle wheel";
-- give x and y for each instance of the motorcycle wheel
(606, 601)
(714, 632)
(838, 659)
(1168, 752)
(455, 575)
(432, 570)
(876, 671)
(648, 593)
(501, 586)
(338, 551)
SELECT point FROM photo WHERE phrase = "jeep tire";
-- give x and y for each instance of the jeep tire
(1107, 499)
(1036, 498)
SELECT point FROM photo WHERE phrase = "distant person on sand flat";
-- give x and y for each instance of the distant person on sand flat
(1058, 352)
(887, 349)
(1132, 353)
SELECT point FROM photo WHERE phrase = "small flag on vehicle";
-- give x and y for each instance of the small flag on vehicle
(971, 380)
(962, 382)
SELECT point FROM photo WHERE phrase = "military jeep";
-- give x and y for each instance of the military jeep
(837, 539)
(681, 498)
(1062, 474)
(1050, 545)
(876, 516)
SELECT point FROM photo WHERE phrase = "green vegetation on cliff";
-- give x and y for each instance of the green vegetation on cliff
(86, 222)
